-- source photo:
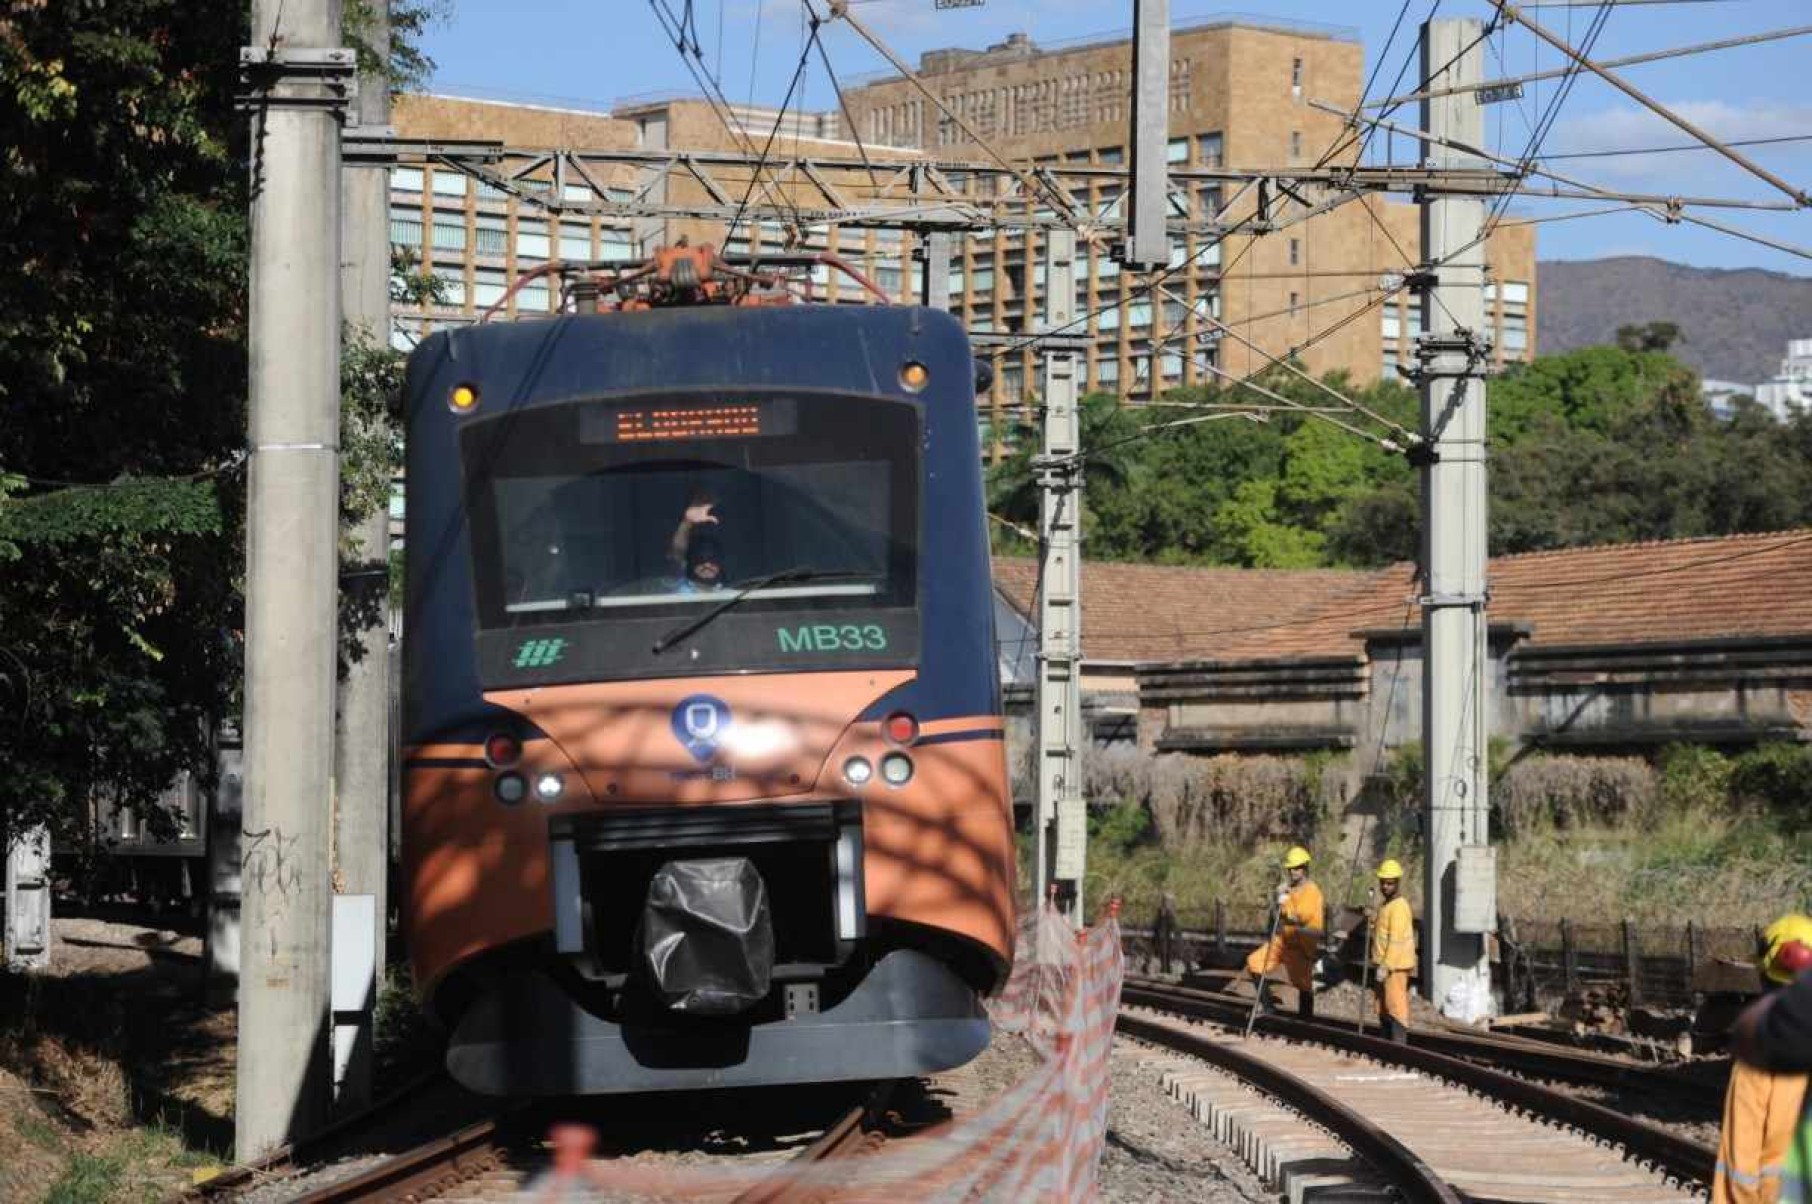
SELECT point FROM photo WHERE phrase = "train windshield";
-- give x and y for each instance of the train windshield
(648, 513)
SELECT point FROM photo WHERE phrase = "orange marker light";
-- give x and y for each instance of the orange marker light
(463, 399)
(914, 376)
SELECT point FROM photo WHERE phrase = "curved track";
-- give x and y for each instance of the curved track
(1673, 1156)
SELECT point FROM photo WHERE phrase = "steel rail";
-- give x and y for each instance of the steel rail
(427, 1168)
(246, 1174)
(1524, 1054)
(1413, 1178)
(836, 1142)
(1676, 1155)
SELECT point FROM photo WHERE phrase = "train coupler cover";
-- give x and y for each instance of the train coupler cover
(707, 936)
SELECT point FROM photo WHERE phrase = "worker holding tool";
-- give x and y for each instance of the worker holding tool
(1762, 1108)
(1393, 953)
(1296, 937)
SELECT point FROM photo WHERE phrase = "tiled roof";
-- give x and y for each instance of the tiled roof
(1669, 590)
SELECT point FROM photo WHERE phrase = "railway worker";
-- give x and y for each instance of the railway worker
(1761, 1154)
(697, 550)
(1393, 952)
(1295, 943)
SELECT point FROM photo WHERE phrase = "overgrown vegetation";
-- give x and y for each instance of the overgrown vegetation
(1693, 834)
(1601, 445)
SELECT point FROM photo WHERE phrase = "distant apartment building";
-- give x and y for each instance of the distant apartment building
(1789, 392)
(1239, 97)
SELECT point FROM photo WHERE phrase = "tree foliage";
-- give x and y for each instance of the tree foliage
(1600, 445)
(123, 258)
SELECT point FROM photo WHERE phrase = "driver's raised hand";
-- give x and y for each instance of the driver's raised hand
(700, 512)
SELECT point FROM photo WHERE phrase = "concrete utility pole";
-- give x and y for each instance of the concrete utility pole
(1459, 888)
(28, 900)
(361, 838)
(1147, 246)
(1061, 820)
(298, 78)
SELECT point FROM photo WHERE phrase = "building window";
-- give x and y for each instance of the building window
(489, 192)
(1173, 365)
(1174, 312)
(1110, 318)
(1516, 292)
(406, 228)
(983, 280)
(577, 192)
(1208, 201)
(449, 183)
(449, 232)
(1112, 154)
(1208, 149)
(575, 242)
(1390, 326)
(488, 286)
(1295, 251)
(535, 298)
(490, 235)
(1296, 78)
(982, 324)
(1013, 381)
(1138, 314)
(1179, 255)
(617, 244)
(1295, 145)
(452, 285)
(1177, 151)
(1516, 332)
(1107, 373)
(531, 241)
(1388, 369)
(405, 179)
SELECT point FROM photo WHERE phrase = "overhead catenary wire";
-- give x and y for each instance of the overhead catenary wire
(1583, 58)
(1653, 56)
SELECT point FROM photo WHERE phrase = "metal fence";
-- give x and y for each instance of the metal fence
(1536, 964)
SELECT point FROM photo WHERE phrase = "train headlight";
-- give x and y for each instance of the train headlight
(914, 376)
(510, 788)
(857, 771)
(548, 787)
(896, 769)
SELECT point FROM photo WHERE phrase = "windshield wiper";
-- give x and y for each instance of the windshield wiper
(793, 574)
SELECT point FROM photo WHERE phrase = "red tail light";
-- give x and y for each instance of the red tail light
(502, 750)
(900, 728)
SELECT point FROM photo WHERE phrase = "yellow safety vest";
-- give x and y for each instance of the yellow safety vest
(1394, 936)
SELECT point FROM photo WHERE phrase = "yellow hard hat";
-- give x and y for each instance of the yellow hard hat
(1786, 948)
(1390, 869)
(1295, 857)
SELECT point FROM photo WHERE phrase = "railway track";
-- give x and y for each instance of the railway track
(1520, 1055)
(496, 1158)
(1478, 1131)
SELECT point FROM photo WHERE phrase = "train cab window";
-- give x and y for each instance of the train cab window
(638, 514)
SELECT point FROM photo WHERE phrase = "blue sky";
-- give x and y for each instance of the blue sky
(592, 53)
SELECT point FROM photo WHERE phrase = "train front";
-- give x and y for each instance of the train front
(703, 777)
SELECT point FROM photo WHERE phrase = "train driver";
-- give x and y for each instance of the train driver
(696, 550)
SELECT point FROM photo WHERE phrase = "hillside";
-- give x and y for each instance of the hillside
(1737, 323)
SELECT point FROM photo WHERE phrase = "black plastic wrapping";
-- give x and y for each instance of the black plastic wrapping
(707, 936)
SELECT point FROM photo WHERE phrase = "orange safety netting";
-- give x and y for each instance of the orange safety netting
(1042, 1139)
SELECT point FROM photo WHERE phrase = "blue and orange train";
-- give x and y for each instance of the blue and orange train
(703, 770)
